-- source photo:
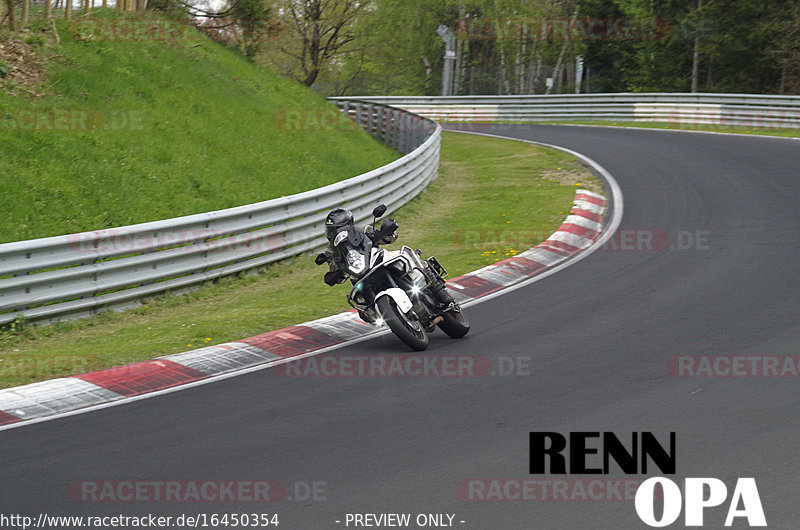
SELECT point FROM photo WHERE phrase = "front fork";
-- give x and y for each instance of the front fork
(437, 289)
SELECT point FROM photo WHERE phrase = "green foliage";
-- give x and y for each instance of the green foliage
(4, 69)
(170, 7)
(254, 10)
(737, 41)
(35, 40)
(17, 326)
(742, 46)
(252, 17)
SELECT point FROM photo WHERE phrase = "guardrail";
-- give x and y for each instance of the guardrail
(76, 275)
(709, 109)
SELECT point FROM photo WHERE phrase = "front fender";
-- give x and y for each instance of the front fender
(399, 296)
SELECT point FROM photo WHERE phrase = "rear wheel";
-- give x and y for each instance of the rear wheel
(454, 323)
(407, 327)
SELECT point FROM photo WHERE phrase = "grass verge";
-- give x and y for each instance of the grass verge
(121, 130)
(493, 198)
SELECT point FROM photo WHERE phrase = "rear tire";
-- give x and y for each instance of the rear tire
(454, 323)
(407, 328)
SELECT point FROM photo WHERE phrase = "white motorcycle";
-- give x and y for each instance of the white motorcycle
(395, 287)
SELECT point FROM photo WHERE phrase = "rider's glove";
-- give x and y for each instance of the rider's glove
(334, 277)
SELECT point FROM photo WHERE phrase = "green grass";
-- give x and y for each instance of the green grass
(486, 186)
(184, 126)
(764, 131)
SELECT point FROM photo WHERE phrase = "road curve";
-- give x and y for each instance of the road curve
(598, 338)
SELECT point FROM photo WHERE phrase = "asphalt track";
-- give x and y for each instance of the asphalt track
(598, 337)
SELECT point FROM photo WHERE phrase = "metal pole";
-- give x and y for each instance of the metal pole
(578, 73)
(449, 39)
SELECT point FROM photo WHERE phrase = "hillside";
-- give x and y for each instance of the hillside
(129, 130)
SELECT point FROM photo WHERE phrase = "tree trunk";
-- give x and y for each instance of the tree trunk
(783, 79)
(26, 6)
(68, 9)
(696, 54)
(503, 87)
(86, 6)
(311, 77)
(557, 69)
(695, 63)
(48, 8)
(428, 72)
(462, 52)
(536, 74)
(560, 61)
(471, 80)
(12, 20)
(458, 67)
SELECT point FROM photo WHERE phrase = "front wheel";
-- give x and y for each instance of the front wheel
(406, 327)
(454, 323)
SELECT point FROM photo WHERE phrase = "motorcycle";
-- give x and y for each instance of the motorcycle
(393, 286)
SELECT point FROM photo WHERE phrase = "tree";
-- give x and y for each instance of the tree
(397, 50)
(322, 30)
(243, 24)
(783, 34)
(252, 17)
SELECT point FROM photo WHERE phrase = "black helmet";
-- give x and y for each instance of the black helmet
(337, 219)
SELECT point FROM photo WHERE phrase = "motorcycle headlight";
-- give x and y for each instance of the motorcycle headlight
(341, 236)
(355, 261)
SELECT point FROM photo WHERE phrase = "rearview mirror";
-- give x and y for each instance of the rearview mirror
(379, 210)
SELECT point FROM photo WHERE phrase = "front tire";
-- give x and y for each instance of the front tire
(454, 323)
(407, 328)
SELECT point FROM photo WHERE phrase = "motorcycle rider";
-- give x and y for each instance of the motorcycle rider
(340, 218)
(335, 221)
